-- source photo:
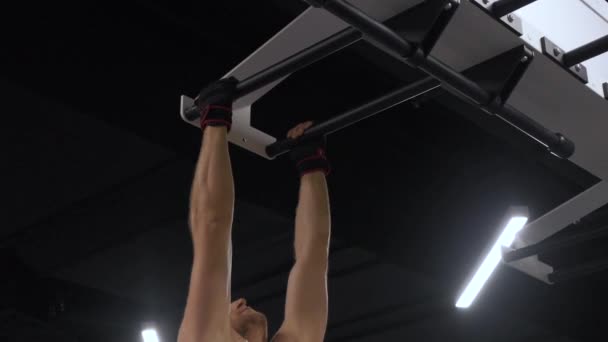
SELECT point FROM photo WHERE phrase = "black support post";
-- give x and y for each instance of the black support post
(292, 64)
(585, 52)
(386, 39)
(555, 244)
(352, 116)
(503, 7)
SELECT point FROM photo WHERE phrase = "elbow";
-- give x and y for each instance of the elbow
(207, 214)
(209, 220)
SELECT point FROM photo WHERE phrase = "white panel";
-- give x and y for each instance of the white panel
(599, 7)
(570, 24)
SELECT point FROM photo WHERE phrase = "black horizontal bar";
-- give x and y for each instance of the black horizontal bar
(555, 244)
(298, 61)
(586, 52)
(290, 65)
(503, 7)
(453, 81)
(354, 115)
(556, 143)
(578, 271)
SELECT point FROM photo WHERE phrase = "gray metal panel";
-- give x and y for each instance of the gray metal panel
(473, 37)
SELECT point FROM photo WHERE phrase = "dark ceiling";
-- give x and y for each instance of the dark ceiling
(97, 168)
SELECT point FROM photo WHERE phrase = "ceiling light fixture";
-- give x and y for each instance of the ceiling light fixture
(492, 259)
(150, 335)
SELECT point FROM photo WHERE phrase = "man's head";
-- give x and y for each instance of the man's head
(246, 321)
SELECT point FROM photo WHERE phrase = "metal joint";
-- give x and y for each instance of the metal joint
(556, 54)
(423, 24)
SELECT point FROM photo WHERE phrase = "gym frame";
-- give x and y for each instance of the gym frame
(489, 81)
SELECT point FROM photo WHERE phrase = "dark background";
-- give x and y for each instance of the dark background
(97, 166)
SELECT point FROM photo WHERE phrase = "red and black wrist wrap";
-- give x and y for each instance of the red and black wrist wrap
(216, 115)
(311, 157)
(215, 103)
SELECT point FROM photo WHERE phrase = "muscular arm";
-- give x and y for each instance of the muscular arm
(206, 317)
(306, 305)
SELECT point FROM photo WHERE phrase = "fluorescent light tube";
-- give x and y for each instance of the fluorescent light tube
(149, 335)
(506, 238)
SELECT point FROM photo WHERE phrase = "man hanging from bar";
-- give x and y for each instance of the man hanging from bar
(209, 316)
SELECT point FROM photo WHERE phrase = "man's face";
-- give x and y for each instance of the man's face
(244, 318)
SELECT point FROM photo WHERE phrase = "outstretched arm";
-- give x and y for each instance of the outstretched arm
(206, 316)
(306, 305)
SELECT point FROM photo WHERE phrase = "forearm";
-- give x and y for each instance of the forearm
(211, 205)
(212, 197)
(313, 219)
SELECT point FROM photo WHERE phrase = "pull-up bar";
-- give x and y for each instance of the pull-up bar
(355, 115)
